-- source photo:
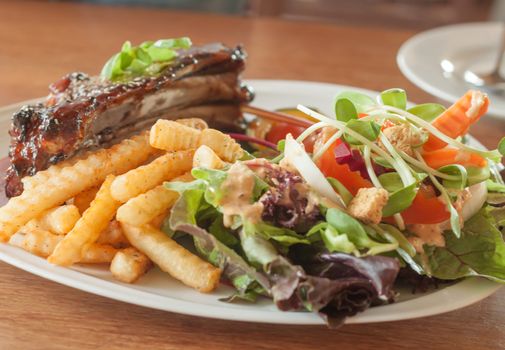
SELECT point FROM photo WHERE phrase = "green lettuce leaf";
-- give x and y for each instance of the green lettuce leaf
(244, 277)
(360, 101)
(258, 250)
(493, 186)
(356, 234)
(427, 111)
(345, 110)
(367, 129)
(498, 215)
(281, 235)
(187, 206)
(480, 251)
(394, 97)
(400, 200)
(213, 179)
(341, 190)
(222, 233)
(333, 240)
(147, 59)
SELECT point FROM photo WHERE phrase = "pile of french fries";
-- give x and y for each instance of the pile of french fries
(107, 206)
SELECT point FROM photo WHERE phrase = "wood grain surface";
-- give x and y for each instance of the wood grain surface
(40, 41)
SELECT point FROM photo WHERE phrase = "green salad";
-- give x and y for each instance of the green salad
(340, 212)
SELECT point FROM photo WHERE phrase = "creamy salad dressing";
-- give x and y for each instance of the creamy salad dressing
(238, 194)
(430, 234)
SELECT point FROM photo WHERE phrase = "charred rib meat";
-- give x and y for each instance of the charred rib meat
(83, 112)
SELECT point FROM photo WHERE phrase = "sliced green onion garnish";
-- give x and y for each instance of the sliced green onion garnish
(369, 167)
(404, 172)
(307, 132)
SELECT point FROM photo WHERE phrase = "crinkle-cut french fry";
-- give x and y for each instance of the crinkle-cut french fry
(147, 206)
(72, 180)
(60, 220)
(113, 235)
(205, 157)
(34, 224)
(83, 200)
(39, 241)
(129, 264)
(41, 177)
(154, 156)
(158, 221)
(98, 254)
(195, 123)
(143, 178)
(42, 243)
(224, 146)
(172, 136)
(86, 231)
(173, 258)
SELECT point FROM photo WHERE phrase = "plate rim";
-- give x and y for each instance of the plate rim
(479, 288)
(423, 84)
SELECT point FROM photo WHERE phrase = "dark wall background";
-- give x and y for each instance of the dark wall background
(414, 14)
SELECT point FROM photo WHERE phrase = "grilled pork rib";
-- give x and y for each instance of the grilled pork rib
(84, 112)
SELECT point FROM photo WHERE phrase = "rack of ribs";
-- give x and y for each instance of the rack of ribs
(84, 112)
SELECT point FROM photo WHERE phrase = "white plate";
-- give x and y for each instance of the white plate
(427, 58)
(157, 290)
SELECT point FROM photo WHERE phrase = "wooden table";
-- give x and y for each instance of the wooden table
(40, 42)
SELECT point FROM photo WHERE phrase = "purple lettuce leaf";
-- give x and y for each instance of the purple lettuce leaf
(286, 203)
(335, 285)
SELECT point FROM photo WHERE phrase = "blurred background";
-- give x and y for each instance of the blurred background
(412, 14)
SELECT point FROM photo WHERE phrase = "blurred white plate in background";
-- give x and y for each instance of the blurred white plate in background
(436, 59)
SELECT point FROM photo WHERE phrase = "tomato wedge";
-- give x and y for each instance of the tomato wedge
(352, 180)
(278, 132)
(425, 209)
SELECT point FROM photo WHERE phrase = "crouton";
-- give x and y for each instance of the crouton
(402, 138)
(367, 205)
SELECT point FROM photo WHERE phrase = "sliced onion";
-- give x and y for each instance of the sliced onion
(295, 155)
(478, 195)
(476, 201)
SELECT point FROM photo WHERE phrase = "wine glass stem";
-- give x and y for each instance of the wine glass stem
(500, 53)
